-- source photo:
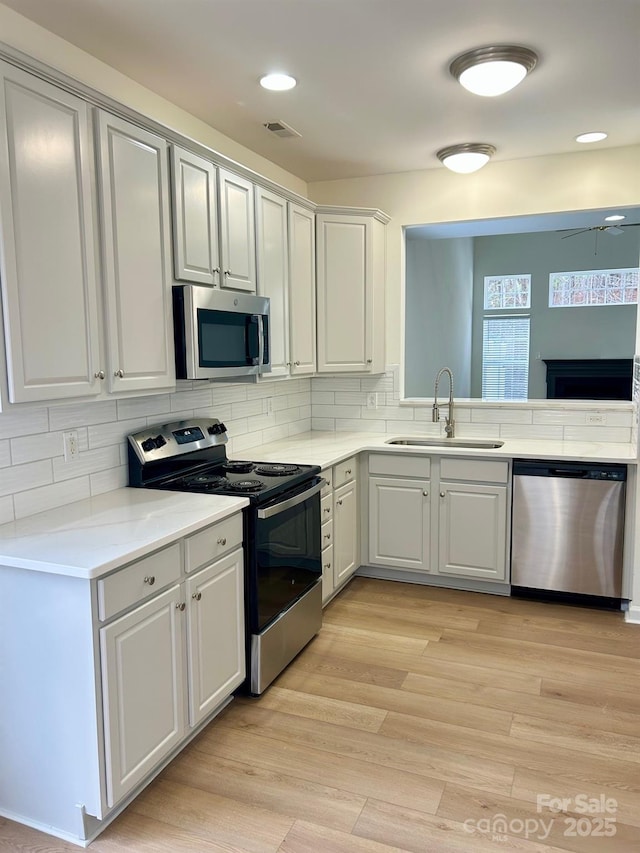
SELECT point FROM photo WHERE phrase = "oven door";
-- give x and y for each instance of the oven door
(287, 557)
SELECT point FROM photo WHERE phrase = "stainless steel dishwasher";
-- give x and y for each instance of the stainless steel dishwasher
(567, 530)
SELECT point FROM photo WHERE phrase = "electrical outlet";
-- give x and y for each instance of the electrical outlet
(70, 442)
(269, 405)
(372, 400)
(596, 419)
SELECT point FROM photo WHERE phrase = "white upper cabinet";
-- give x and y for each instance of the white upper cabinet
(302, 290)
(273, 273)
(48, 257)
(134, 198)
(237, 232)
(195, 218)
(351, 257)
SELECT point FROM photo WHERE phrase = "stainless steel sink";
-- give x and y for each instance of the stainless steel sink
(488, 444)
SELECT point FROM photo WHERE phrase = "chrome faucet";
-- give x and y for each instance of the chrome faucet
(449, 423)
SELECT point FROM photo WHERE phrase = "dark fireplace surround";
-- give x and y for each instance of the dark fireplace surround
(589, 378)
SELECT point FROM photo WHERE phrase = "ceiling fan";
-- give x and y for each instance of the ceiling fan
(607, 229)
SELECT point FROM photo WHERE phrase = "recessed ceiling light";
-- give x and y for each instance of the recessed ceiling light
(278, 82)
(491, 71)
(615, 217)
(593, 136)
(467, 157)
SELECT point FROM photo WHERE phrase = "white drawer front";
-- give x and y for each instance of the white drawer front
(400, 465)
(326, 507)
(327, 473)
(138, 581)
(206, 546)
(326, 534)
(484, 470)
(327, 572)
(345, 471)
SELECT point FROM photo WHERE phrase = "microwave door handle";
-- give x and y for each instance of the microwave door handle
(260, 340)
(276, 509)
(254, 353)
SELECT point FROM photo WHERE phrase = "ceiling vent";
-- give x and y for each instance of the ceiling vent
(279, 128)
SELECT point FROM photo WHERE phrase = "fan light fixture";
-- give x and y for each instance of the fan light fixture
(491, 71)
(467, 157)
(278, 82)
(593, 136)
(615, 217)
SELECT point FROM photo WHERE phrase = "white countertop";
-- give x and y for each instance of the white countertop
(327, 448)
(91, 537)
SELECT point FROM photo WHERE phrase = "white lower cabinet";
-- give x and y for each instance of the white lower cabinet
(142, 674)
(435, 515)
(340, 526)
(215, 602)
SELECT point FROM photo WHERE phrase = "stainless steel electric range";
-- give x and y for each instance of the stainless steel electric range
(283, 570)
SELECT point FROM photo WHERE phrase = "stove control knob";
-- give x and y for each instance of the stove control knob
(214, 429)
(160, 441)
(222, 428)
(148, 444)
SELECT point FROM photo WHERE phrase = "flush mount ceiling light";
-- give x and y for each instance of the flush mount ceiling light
(491, 71)
(278, 82)
(466, 158)
(593, 136)
(615, 217)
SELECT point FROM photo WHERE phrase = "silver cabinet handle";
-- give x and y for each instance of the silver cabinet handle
(216, 271)
(327, 536)
(327, 565)
(227, 272)
(348, 472)
(339, 502)
(442, 494)
(288, 364)
(150, 579)
(327, 509)
(222, 541)
(181, 606)
(197, 596)
(99, 374)
(369, 361)
(118, 373)
(297, 363)
(425, 493)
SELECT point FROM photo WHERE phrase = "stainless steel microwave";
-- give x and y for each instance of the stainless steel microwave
(218, 334)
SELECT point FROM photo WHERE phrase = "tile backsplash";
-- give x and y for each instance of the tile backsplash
(347, 404)
(34, 475)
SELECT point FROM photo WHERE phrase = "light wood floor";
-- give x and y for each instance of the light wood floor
(414, 711)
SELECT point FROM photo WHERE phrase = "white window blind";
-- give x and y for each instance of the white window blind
(505, 358)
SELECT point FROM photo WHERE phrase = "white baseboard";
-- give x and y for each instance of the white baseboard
(633, 614)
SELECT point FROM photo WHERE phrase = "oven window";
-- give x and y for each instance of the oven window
(288, 557)
(226, 339)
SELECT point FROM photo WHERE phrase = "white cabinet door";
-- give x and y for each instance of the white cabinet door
(237, 232)
(472, 535)
(399, 523)
(143, 693)
(136, 234)
(48, 257)
(195, 218)
(273, 273)
(302, 290)
(351, 281)
(215, 599)
(345, 528)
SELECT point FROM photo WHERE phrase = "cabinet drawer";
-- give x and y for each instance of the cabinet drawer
(326, 507)
(400, 465)
(327, 572)
(484, 470)
(345, 471)
(326, 531)
(327, 473)
(138, 581)
(206, 546)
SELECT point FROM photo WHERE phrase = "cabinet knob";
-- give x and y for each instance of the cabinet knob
(327, 565)
(197, 596)
(99, 374)
(181, 606)
(222, 541)
(339, 503)
(327, 536)
(150, 579)
(118, 373)
(288, 364)
(227, 272)
(216, 271)
(327, 509)
(348, 472)
(297, 363)
(425, 493)
(442, 494)
(369, 361)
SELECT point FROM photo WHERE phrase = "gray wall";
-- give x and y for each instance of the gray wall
(588, 332)
(439, 304)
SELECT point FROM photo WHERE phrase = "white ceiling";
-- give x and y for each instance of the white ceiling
(374, 93)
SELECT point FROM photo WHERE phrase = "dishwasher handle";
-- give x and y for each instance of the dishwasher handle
(570, 470)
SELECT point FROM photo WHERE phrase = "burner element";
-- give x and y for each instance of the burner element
(238, 467)
(277, 470)
(209, 480)
(245, 486)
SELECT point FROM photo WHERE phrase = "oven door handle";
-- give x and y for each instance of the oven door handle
(270, 511)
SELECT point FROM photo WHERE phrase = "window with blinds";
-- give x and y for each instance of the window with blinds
(505, 358)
